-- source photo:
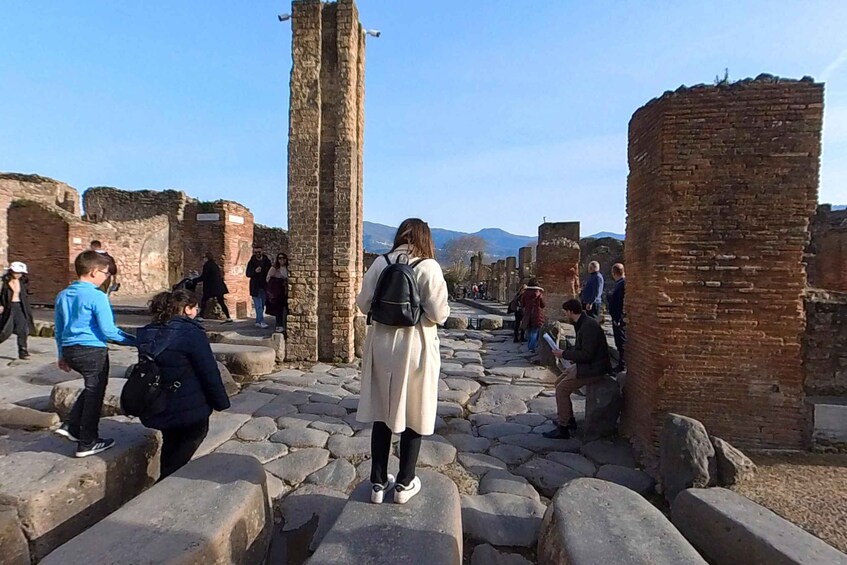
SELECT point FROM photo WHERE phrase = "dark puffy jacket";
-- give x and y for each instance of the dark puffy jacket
(213, 280)
(6, 303)
(258, 281)
(188, 359)
(533, 303)
(590, 351)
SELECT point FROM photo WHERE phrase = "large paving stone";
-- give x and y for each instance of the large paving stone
(308, 502)
(64, 395)
(323, 409)
(431, 520)
(485, 554)
(275, 341)
(495, 431)
(639, 481)
(338, 475)
(58, 496)
(332, 426)
(249, 402)
(594, 521)
(728, 528)
(14, 549)
(435, 451)
(604, 452)
(296, 421)
(296, 466)
(469, 443)
(257, 429)
(347, 447)
(502, 519)
(486, 418)
(511, 454)
(686, 456)
(546, 406)
(505, 482)
(466, 385)
(495, 397)
(480, 464)
(459, 426)
(245, 362)
(457, 396)
(363, 469)
(545, 475)
(275, 410)
(511, 372)
(263, 451)
(538, 442)
(222, 426)
(213, 510)
(531, 420)
(13, 416)
(576, 462)
(301, 437)
(450, 410)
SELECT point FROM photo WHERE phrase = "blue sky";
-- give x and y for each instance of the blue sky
(478, 114)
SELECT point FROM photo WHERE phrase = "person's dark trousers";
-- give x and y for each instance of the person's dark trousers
(180, 444)
(221, 302)
(520, 334)
(410, 448)
(282, 319)
(619, 332)
(594, 312)
(20, 327)
(93, 364)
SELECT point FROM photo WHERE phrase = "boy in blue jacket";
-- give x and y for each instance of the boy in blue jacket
(84, 325)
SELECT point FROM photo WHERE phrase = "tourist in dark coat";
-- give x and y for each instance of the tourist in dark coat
(188, 359)
(616, 312)
(213, 286)
(277, 293)
(15, 311)
(516, 306)
(257, 271)
(533, 303)
(592, 291)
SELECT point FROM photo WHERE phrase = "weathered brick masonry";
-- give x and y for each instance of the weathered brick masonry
(525, 262)
(722, 183)
(325, 178)
(557, 264)
(825, 344)
(827, 251)
(272, 240)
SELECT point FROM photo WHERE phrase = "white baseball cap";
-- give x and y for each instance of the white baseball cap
(18, 267)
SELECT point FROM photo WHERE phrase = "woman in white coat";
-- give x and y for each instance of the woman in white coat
(401, 365)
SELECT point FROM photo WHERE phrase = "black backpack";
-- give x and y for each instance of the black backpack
(397, 300)
(144, 393)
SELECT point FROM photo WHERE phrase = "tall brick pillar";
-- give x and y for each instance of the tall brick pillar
(722, 183)
(557, 264)
(474, 271)
(525, 262)
(325, 178)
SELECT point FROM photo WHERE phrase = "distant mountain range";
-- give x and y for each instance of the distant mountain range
(378, 238)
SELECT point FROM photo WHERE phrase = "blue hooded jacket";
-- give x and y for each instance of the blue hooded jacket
(188, 359)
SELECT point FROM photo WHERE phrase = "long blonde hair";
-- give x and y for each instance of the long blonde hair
(416, 234)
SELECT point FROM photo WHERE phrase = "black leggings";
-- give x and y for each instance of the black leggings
(180, 444)
(410, 447)
(221, 302)
(520, 334)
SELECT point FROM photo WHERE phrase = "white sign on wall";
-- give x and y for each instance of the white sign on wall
(77, 240)
(208, 217)
(233, 219)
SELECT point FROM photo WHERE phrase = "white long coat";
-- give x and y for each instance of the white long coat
(400, 365)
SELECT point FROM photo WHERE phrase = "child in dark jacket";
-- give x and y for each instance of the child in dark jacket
(186, 358)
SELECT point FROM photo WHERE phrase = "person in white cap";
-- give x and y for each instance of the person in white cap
(15, 313)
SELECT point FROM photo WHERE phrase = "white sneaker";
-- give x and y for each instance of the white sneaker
(402, 494)
(378, 491)
(263, 325)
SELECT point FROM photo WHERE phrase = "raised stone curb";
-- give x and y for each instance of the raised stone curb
(12, 416)
(502, 519)
(13, 545)
(730, 529)
(594, 521)
(639, 481)
(64, 395)
(427, 528)
(213, 510)
(245, 362)
(308, 502)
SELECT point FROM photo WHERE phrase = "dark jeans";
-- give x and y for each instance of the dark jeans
(594, 312)
(282, 318)
(520, 334)
(20, 326)
(619, 331)
(93, 364)
(410, 448)
(221, 303)
(179, 445)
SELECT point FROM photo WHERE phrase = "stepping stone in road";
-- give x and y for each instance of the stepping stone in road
(485, 554)
(576, 462)
(495, 431)
(263, 451)
(639, 481)
(245, 362)
(506, 483)
(511, 454)
(307, 502)
(295, 467)
(337, 475)
(547, 476)
(480, 464)
(257, 429)
(502, 519)
(301, 437)
(469, 443)
(604, 452)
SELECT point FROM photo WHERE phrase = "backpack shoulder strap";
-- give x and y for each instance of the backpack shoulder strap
(418, 262)
(387, 259)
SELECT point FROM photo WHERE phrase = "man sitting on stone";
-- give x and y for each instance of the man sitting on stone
(590, 358)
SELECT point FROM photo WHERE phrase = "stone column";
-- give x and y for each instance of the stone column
(525, 262)
(722, 183)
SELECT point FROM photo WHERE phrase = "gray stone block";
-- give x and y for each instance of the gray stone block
(213, 510)
(13, 416)
(686, 456)
(245, 362)
(505, 482)
(733, 465)
(730, 529)
(603, 402)
(307, 503)
(502, 519)
(13, 545)
(431, 522)
(64, 395)
(545, 475)
(639, 481)
(594, 521)
(485, 554)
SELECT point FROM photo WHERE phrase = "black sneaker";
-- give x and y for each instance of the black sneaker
(65, 431)
(561, 432)
(98, 446)
(572, 424)
(24, 355)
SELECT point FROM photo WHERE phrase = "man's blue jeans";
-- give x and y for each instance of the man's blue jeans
(259, 305)
(533, 338)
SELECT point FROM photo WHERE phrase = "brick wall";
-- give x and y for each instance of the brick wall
(325, 178)
(273, 240)
(14, 186)
(48, 239)
(557, 264)
(825, 344)
(826, 255)
(104, 203)
(722, 183)
(225, 229)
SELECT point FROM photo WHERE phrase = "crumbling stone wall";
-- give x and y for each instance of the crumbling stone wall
(825, 344)
(48, 238)
(325, 178)
(105, 203)
(826, 255)
(225, 229)
(722, 182)
(607, 251)
(272, 240)
(15, 186)
(557, 264)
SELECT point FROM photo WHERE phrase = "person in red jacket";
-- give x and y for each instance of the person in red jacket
(532, 300)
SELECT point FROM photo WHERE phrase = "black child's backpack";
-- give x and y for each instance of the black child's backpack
(397, 300)
(144, 393)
